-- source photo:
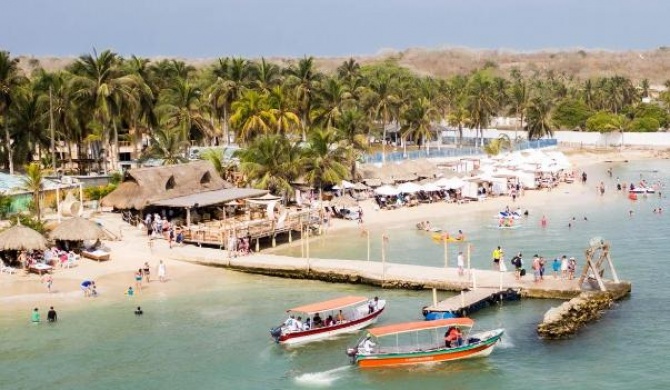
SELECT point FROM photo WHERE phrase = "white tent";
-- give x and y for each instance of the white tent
(387, 191)
(430, 187)
(344, 185)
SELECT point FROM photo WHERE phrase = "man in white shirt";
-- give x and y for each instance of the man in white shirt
(366, 346)
(297, 325)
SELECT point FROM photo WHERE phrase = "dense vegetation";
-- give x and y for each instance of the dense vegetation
(293, 121)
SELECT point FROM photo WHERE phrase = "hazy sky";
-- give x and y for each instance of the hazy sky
(251, 28)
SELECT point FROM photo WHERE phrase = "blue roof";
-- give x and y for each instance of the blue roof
(14, 183)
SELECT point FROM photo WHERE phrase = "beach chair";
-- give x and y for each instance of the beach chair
(72, 261)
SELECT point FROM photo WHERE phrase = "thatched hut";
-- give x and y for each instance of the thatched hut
(79, 229)
(21, 238)
(143, 186)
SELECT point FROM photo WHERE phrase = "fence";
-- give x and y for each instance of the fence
(453, 152)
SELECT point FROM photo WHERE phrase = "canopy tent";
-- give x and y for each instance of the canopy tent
(344, 185)
(430, 187)
(409, 188)
(420, 325)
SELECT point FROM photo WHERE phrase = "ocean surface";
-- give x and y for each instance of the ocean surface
(217, 336)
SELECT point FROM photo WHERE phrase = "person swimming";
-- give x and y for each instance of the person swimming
(139, 311)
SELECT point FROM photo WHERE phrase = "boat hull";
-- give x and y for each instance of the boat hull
(470, 351)
(324, 333)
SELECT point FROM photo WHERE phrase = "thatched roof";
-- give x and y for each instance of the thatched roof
(209, 198)
(21, 238)
(344, 201)
(142, 186)
(78, 229)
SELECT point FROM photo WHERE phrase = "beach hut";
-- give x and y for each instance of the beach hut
(21, 238)
(79, 229)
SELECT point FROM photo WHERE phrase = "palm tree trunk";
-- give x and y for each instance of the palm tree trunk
(10, 157)
(114, 147)
(224, 126)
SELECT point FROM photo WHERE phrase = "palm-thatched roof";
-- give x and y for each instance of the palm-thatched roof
(21, 238)
(78, 229)
(142, 186)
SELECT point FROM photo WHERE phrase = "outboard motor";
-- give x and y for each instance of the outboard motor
(352, 353)
(276, 333)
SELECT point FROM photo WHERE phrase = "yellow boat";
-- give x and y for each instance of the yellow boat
(439, 237)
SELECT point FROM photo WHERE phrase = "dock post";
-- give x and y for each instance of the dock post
(462, 299)
(274, 240)
(434, 296)
(446, 254)
(474, 280)
(290, 236)
(307, 250)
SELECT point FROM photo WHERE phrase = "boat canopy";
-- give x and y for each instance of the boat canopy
(333, 304)
(420, 325)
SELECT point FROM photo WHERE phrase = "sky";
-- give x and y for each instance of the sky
(270, 28)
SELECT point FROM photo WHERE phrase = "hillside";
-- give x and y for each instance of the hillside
(637, 65)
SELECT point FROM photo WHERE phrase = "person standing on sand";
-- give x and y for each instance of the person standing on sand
(138, 280)
(161, 271)
(146, 271)
(564, 267)
(460, 261)
(49, 282)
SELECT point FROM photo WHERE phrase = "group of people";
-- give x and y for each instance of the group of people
(158, 226)
(563, 268)
(293, 324)
(36, 318)
(144, 273)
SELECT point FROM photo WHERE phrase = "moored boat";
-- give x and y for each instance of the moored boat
(323, 320)
(423, 342)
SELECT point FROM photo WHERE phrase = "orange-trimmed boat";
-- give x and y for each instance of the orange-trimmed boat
(323, 320)
(423, 342)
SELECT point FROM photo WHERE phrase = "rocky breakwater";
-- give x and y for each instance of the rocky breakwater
(563, 321)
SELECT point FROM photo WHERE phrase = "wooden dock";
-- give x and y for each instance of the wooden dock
(469, 301)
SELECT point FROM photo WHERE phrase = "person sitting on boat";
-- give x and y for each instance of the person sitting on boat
(445, 236)
(453, 337)
(297, 325)
(289, 322)
(330, 321)
(307, 325)
(372, 305)
(317, 322)
(340, 318)
(366, 347)
(460, 236)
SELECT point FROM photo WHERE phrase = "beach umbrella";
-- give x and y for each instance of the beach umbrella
(79, 229)
(21, 238)
(344, 201)
(409, 188)
(454, 183)
(360, 187)
(430, 187)
(443, 182)
(387, 191)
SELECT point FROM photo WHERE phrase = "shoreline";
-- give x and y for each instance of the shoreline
(22, 292)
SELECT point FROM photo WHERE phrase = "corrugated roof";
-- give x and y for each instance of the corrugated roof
(210, 197)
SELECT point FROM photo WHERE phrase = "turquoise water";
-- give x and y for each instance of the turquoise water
(218, 338)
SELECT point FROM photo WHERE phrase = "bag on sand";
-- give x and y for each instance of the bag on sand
(522, 272)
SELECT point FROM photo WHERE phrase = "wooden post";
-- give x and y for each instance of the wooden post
(434, 296)
(446, 254)
(81, 198)
(290, 236)
(368, 234)
(302, 241)
(257, 244)
(188, 217)
(614, 274)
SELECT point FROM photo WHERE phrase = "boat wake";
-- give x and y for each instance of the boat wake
(505, 342)
(323, 378)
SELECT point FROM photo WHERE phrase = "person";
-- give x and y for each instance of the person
(453, 337)
(317, 322)
(572, 266)
(517, 262)
(35, 316)
(297, 324)
(460, 236)
(427, 226)
(139, 311)
(86, 287)
(564, 267)
(360, 215)
(180, 238)
(130, 292)
(161, 271)
(536, 268)
(543, 221)
(496, 258)
(542, 263)
(583, 177)
(366, 346)
(340, 317)
(52, 316)
(289, 323)
(146, 270)
(170, 236)
(330, 321)
(372, 305)
(460, 263)
(307, 325)
(556, 267)
(49, 282)
(630, 213)
(609, 171)
(138, 279)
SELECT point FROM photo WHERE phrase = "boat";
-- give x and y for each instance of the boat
(442, 238)
(357, 313)
(422, 342)
(641, 190)
(508, 214)
(515, 226)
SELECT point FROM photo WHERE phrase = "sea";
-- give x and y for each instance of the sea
(217, 336)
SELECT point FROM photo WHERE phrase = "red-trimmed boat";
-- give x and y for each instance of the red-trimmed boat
(323, 320)
(422, 342)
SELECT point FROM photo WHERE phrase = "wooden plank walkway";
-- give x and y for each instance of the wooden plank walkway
(464, 300)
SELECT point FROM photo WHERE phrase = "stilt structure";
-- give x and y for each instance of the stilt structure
(596, 255)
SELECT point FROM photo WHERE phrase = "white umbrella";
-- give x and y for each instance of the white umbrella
(387, 191)
(430, 187)
(443, 182)
(409, 188)
(454, 183)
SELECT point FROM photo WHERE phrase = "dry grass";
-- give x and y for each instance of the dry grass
(637, 65)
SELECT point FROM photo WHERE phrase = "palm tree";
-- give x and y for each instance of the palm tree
(230, 83)
(265, 75)
(480, 101)
(168, 145)
(497, 145)
(181, 106)
(539, 121)
(99, 84)
(418, 121)
(331, 99)
(252, 116)
(353, 125)
(224, 167)
(326, 159)
(271, 162)
(10, 79)
(385, 102)
(304, 78)
(34, 182)
(518, 98)
(285, 120)
(459, 117)
(30, 120)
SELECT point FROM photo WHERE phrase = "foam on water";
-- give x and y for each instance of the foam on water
(323, 378)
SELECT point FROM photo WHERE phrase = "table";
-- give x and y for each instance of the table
(40, 268)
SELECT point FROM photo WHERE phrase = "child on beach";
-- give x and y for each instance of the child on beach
(556, 267)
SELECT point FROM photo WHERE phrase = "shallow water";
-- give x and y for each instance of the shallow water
(219, 338)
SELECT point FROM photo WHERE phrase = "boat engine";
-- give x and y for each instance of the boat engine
(352, 353)
(276, 333)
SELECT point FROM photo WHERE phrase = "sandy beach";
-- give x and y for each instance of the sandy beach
(21, 292)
